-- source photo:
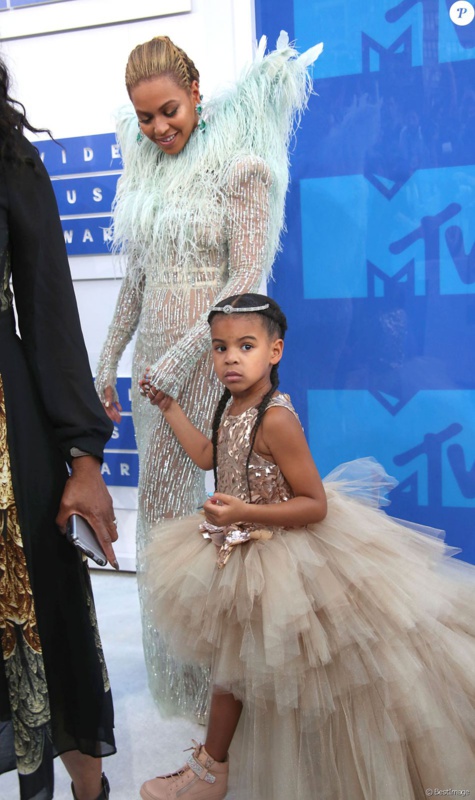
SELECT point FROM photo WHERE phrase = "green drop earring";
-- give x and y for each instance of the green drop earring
(199, 111)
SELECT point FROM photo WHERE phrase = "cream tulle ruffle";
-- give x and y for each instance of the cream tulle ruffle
(350, 642)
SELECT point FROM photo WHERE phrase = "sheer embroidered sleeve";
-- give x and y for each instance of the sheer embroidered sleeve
(249, 259)
(122, 328)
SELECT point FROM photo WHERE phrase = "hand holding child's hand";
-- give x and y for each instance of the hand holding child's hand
(224, 509)
(156, 396)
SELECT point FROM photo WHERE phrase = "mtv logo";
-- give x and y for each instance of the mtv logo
(380, 284)
(361, 37)
(399, 53)
(358, 243)
(428, 445)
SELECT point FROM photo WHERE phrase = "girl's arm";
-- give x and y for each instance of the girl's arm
(194, 443)
(280, 439)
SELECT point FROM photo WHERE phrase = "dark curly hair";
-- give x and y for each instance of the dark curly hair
(276, 325)
(13, 120)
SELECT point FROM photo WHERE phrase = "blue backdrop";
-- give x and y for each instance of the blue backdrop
(84, 171)
(377, 274)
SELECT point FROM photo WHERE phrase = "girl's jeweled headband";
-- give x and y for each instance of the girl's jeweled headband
(232, 310)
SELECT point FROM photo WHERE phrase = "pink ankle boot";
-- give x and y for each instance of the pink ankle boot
(201, 778)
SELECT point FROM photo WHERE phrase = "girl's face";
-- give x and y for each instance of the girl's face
(166, 112)
(243, 352)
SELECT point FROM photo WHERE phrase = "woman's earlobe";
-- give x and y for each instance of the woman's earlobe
(195, 91)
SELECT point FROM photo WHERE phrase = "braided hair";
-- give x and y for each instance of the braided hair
(157, 57)
(276, 325)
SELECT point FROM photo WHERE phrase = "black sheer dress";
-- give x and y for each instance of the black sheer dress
(54, 689)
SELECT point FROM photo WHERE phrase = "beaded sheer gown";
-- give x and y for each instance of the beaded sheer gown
(350, 642)
(194, 228)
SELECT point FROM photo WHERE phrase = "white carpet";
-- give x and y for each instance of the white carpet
(146, 745)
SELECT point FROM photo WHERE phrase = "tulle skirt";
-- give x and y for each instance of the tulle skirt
(350, 643)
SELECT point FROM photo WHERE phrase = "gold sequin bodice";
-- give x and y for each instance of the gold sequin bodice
(267, 483)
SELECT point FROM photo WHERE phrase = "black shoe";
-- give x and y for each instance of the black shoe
(105, 789)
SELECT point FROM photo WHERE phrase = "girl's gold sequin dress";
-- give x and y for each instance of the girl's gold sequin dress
(351, 642)
(195, 228)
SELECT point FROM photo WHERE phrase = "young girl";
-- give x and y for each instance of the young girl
(337, 637)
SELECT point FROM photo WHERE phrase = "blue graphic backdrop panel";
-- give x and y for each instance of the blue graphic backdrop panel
(121, 460)
(424, 234)
(377, 274)
(7, 4)
(356, 34)
(80, 195)
(84, 171)
(81, 154)
(25, 3)
(430, 438)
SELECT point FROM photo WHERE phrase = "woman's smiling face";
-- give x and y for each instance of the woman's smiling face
(166, 113)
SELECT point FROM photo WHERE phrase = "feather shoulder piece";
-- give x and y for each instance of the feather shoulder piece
(259, 114)
(263, 108)
(163, 200)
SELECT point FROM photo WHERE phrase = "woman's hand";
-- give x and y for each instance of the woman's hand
(112, 408)
(156, 396)
(86, 494)
(224, 509)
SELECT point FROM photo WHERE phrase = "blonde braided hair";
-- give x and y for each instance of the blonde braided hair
(160, 56)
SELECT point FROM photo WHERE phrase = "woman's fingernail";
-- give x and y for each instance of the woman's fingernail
(115, 564)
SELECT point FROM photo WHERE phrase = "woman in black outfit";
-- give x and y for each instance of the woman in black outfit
(55, 697)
